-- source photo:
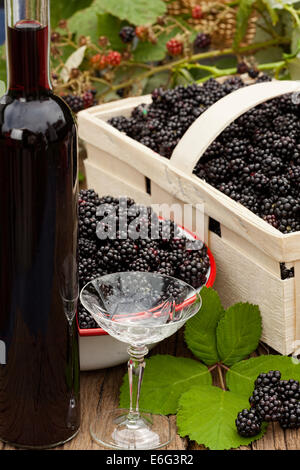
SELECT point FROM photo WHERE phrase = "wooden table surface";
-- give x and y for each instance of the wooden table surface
(101, 389)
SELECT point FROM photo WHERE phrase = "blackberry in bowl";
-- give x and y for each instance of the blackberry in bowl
(107, 245)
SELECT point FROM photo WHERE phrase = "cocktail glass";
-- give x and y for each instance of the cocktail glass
(138, 309)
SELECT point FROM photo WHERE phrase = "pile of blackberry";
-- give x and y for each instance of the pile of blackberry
(273, 400)
(255, 160)
(118, 235)
(161, 124)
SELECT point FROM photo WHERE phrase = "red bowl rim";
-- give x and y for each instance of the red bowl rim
(209, 283)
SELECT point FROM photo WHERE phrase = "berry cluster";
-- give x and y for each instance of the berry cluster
(273, 399)
(162, 124)
(79, 102)
(256, 159)
(124, 236)
(256, 162)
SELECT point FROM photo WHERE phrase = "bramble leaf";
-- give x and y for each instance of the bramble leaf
(207, 414)
(200, 331)
(166, 378)
(139, 12)
(238, 332)
(241, 377)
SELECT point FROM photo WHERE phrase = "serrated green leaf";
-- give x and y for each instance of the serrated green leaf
(241, 377)
(137, 12)
(85, 22)
(238, 332)
(207, 415)
(110, 27)
(63, 10)
(200, 331)
(166, 378)
(242, 17)
(148, 52)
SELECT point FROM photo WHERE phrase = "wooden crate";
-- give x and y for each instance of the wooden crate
(249, 251)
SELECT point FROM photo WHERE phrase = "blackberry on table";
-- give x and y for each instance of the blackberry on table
(271, 378)
(269, 407)
(85, 319)
(289, 389)
(248, 423)
(290, 416)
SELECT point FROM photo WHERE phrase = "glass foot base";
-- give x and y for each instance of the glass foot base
(113, 429)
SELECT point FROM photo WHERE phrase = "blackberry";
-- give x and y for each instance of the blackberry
(242, 68)
(248, 423)
(75, 102)
(263, 78)
(289, 389)
(109, 258)
(269, 407)
(85, 319)
(140, 264)
(271, 379)
(87, 248)
(271, 219)
(290, 416)
(202, 41)
(259, 393)
(280, 185)
(194, 268)
(253, 72)
(285, 272)
(127, 34)
(88, 195)
(284, 147)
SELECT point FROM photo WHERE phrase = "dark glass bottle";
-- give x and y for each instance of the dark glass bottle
(39, 358)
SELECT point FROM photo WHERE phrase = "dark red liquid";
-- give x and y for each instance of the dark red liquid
(39, 384)
(28, 48)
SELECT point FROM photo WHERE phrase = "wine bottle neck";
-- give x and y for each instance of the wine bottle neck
(27, 36)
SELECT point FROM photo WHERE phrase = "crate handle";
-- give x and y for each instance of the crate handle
(218, 116)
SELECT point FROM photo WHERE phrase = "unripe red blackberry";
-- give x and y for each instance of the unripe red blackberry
(174, 47)
(197, 12)
(114, 58)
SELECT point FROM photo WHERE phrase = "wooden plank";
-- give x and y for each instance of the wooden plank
(239, 279)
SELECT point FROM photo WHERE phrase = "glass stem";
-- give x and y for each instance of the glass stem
(136, 367)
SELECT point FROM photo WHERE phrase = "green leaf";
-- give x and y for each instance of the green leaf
(242, 17)
(160, 79)
(241, 377)
(238, 332)
(148, 52)
(207, 415)
(137, 12)
(166, 377)
(110, 26)
(63, 10)
(200, 331)
(295, 46)
(85, 22)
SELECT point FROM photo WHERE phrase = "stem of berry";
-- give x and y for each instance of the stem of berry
(194, 58)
